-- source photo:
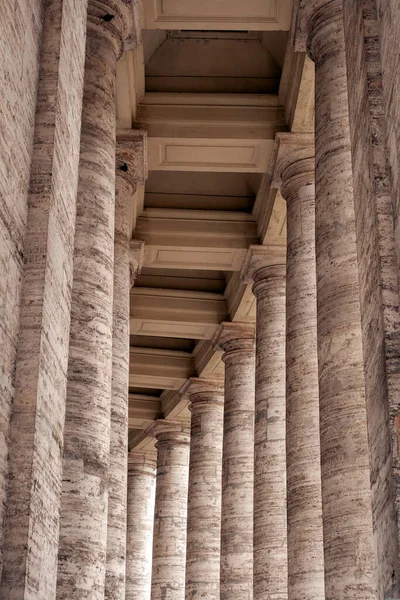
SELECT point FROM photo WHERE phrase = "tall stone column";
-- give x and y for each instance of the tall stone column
(31, 521)
(140, 521)
(350, 570)
(170, 515)
(204, 496)
(267, 270)
(130, 170)
(237, 342)
(83, 529)
(295, 173)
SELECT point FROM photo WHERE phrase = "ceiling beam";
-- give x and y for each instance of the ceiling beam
(143, 410)
(195, 239)
(176, 120)
(160, 369)
(176, 313)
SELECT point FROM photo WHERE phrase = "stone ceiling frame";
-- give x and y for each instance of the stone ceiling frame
(291, 110)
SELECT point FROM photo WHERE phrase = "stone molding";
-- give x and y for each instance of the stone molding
(235, 338)
(263, 257)
(170, 431)
(113, 19)
(203, 391)
(297, 89)
(134, 37)
(131, 155)
(231, 15)
(142, 462)
(314, 20)
(195, 239)
(267, 278)
(292, 164)
(136, 257)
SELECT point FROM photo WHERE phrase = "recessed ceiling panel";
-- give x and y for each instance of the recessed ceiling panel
(224, 14)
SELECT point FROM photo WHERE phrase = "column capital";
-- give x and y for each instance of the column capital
(136, 257)
(271, 279)
(115, 20)
(293, 163)
(234, 338)
(131, 156)
(204, 391)
(176, 432)
(271, 260)
(315, 26)
(142, 462)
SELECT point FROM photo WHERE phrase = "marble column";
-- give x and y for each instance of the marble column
(346, 495)
(270, 547)
(127, 263)
(295, 173)
(170, 515)
(32, 448)
(204, 496)
(140, 521)
(237, 342)
(83, 527)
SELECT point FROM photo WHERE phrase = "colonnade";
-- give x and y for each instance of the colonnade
(268, 496)
(306, 507)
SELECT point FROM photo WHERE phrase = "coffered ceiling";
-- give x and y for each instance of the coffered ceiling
(211, 83)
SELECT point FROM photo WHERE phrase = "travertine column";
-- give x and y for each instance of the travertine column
(35, 457)
(346, 497)
(204, 496)
(237, 342)
(294, 171)
(129, 171)
(270, 548)
(140, 521)
(83, 530)
(170, 516)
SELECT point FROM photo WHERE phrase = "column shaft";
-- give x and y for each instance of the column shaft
(170, 517)
(20, 45)
(117, 491)
(35, 458)
(346, 496)
(83, 531)
(237, 341)
(140, 521)
(270, 546)
(304, 504)
(204, 496)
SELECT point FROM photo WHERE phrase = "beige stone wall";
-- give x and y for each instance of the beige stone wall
(20, 27)
(377, 267)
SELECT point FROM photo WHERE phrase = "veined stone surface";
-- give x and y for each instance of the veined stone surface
(237, 342)
(170, 515)
(375, 200)
(270, 545)
(20, 27)
(204, 496)
(83, 531)
(32, 519)
(140, 522)
(350, 569)
(117, 491)
(295, 168)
